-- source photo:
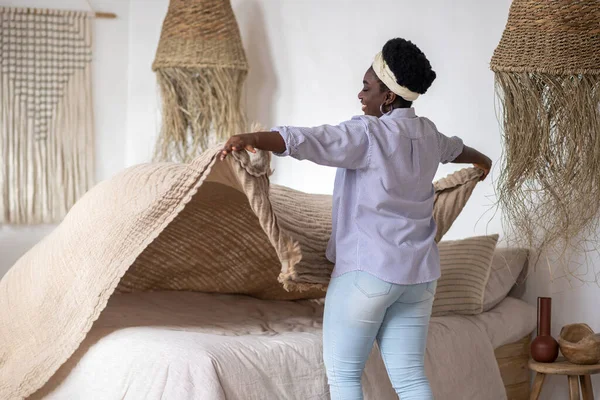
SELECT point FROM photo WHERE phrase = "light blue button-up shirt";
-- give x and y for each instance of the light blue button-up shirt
(383, 193)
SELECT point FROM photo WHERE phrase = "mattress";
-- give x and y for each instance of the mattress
(184, 345)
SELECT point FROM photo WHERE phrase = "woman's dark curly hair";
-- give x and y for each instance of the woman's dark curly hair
(408, 63)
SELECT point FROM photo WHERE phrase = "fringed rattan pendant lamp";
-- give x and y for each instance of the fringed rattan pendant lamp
(547, 71)
(201, 67)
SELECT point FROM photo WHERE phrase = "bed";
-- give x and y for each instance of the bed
(137, 294)
(184, 345)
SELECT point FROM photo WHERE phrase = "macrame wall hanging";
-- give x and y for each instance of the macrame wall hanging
(547, 71)
(46, 127)
(201, 67)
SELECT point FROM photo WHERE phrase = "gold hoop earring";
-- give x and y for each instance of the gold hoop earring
(385, 112)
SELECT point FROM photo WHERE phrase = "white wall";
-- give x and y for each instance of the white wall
(110, 107)
(307, 58)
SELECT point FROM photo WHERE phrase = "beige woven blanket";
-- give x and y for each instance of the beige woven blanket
(207, 226)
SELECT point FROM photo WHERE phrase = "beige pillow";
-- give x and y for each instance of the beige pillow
(507, 266)
(451, 195)
(310, 224)
(466, 269)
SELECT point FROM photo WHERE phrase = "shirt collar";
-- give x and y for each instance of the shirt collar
(401, 113)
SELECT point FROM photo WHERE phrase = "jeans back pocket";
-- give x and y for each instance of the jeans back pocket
(370, 285)
(432, 287)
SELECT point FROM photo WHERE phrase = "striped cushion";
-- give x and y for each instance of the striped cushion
(466, 266)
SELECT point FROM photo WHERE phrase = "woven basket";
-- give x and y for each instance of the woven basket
(551, 36)
(200, 33)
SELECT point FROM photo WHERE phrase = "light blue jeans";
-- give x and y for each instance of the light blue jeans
(360, 308)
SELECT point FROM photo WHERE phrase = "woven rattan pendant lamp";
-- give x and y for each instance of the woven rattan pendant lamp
(547, 71)
(201, 67)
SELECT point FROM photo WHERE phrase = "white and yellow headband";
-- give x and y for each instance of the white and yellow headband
(386, 75)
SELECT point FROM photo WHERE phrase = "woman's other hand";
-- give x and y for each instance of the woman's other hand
(485, 166)
(244, 141)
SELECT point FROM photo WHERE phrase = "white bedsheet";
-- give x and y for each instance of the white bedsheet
(177, 345)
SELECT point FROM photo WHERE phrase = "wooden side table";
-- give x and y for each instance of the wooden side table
(576, 374)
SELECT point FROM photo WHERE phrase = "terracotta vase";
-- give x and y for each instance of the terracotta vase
(544, 347)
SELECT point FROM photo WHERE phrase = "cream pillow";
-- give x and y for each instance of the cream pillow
(507, 266)
(465, 266)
